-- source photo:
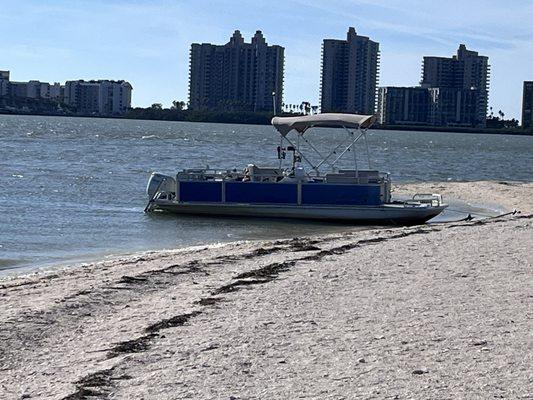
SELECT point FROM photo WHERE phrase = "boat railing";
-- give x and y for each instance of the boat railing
(357, 177)
(205, 174)
(435, 200)
(257, 174)
(252, 173)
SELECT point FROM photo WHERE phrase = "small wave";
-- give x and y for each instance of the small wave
(7, 263)
(120, 209)
(150, 137)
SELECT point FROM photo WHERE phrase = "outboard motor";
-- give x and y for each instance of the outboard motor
(160, 183)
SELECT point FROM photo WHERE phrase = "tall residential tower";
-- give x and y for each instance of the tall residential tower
(461, 84)
(527, 105)
(237, 76)
(349, 74)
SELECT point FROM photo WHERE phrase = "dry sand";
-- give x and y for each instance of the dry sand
(429, 312)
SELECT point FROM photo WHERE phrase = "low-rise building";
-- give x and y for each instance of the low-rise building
(4, 83)
(404, 106)
(82, 96)
(114, 97)
(3, 88)
(17, 89)
(56, 91)
(33, 89)
(456, 107)
(101, 97)
(428, 106)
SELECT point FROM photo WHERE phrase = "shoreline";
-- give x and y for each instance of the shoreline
(429, 311)
(415, 128)
(468, 192)
(457, 191)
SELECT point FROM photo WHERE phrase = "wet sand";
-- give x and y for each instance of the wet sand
(434, 311)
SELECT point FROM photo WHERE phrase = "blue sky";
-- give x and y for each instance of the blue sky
(147, 42)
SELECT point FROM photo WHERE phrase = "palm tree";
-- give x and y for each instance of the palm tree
(178, 105)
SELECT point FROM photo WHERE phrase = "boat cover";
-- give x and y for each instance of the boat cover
(286, 124)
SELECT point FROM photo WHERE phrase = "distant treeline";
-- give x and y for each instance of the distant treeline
(457, 129)
(157, 112)
(177, 113)
(25, 105)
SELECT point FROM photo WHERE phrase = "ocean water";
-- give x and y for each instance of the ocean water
(73, 189)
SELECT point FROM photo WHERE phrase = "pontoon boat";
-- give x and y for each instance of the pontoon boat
(348, 195)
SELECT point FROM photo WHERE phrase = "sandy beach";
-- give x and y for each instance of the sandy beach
(441, 311)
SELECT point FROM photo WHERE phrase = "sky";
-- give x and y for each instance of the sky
(147, 42)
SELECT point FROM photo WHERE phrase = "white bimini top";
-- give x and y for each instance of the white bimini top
(300, 124)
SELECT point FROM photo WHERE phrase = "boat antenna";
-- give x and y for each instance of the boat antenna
(354, 151)
(367, 149)
(280, 148)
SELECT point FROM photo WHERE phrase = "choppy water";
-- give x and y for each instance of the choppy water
(73, 188)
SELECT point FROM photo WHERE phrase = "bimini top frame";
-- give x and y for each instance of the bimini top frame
(350, 122)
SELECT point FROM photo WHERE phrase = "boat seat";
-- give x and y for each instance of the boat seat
(351, 176)
(370, 174)
(258, 174)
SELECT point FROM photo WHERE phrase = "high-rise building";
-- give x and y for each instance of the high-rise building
(527, 105)
(237, 76)
(462, 82)
(349, 74)
(405, 106)
(98, 97)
